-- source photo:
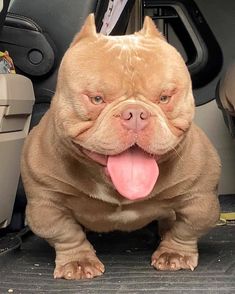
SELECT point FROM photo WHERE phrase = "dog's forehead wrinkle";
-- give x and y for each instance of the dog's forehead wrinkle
(129, 54)
(126, 45)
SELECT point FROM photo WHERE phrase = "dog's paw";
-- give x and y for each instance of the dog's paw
(168, 260)
(86, 268)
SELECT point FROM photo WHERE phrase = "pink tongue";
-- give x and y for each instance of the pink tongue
(133, 173)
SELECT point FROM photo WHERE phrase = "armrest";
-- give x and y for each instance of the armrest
(16, 103)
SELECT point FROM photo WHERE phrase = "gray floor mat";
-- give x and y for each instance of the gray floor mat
(128, 270)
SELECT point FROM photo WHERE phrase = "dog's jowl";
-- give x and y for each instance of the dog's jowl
(118, 149)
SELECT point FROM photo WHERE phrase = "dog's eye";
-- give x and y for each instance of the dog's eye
(165, 99)
(97, 100)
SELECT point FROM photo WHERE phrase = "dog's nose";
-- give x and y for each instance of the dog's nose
(135, 118)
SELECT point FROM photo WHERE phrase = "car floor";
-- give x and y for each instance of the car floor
(29, 269)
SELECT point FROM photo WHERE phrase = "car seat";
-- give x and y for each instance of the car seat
(37, 34)
(16, 103)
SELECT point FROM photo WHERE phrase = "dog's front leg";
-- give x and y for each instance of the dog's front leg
(194, 216)
(75, 256)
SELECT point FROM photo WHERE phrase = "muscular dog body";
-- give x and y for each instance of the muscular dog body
(121, 104)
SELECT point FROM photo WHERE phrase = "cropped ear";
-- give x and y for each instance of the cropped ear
(87, 30)
(150, 30)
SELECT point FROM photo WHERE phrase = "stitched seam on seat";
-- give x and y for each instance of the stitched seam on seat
(37, 27)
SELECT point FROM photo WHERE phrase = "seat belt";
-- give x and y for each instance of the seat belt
(3, 11)
(112, 15)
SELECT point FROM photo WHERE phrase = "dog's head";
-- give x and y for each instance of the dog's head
(124, 102)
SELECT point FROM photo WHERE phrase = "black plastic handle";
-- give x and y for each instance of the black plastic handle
(204, 56)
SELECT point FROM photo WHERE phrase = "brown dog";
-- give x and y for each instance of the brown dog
(117, 150)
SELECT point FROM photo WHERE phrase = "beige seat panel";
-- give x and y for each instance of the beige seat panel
(16, 103)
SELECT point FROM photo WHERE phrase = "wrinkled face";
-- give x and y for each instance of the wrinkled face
(118, 92)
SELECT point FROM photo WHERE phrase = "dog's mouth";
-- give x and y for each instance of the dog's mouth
(133, 172)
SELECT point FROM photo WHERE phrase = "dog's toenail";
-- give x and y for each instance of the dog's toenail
(191, 267)
(89, 275)
(101, 270)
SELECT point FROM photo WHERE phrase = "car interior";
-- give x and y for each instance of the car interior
(36, 35)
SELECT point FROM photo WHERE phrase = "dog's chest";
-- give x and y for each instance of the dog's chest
(101, 216)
